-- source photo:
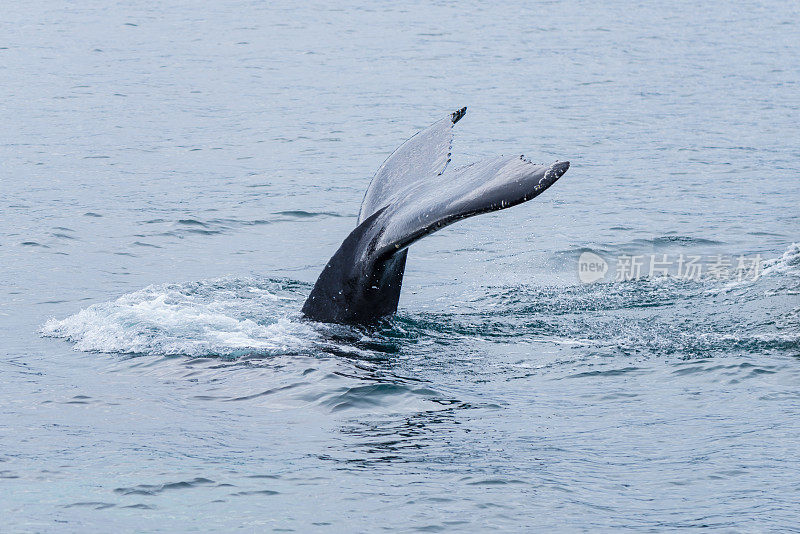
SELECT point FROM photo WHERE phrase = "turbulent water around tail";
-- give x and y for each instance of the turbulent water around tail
(234, 317)
(252, 326)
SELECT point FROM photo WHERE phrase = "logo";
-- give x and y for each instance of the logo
(591, 267)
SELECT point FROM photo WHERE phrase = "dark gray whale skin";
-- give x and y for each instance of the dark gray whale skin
(410, 197)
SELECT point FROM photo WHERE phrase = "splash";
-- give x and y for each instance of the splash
(233, 317)
(225, 317)
(789, 262)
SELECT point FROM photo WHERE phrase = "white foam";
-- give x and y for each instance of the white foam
(221, 317)
(789, 261)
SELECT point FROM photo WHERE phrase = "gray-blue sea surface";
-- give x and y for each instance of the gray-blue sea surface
(173, 177)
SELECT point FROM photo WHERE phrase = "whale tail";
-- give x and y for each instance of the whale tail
(412, 195)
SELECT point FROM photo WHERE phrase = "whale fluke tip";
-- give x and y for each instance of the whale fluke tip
(458, 114)
(560, 167)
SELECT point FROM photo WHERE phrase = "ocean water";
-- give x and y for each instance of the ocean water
(174, 177)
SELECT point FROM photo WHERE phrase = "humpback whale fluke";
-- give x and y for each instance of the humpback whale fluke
(410, 197)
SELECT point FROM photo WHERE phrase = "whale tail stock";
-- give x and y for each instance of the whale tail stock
(412, 195)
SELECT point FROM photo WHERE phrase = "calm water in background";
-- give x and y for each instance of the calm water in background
(186, 171)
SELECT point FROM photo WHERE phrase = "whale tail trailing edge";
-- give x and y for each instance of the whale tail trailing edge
(412, 195)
